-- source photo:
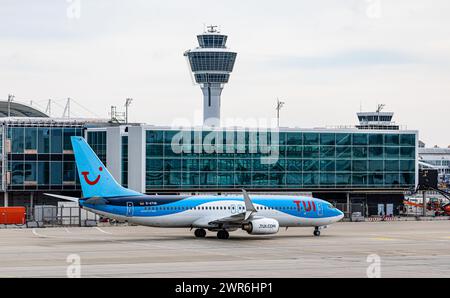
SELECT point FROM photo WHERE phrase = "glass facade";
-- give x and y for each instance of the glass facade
(97, 141)
(40, 158)
(125, 161)
(212, 41)
(212, 61)
(212, 78)
(303, 160)
(2, 182)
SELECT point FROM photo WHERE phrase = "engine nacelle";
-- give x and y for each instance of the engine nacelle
(262, 226)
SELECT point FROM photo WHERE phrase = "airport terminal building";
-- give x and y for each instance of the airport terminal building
(352, 165)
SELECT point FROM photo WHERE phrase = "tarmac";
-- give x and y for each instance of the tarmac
(365, 249)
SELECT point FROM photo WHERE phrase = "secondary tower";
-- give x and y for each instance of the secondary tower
(211, 62)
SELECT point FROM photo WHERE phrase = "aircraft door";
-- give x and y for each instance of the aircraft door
(130, 209)
(319, 209)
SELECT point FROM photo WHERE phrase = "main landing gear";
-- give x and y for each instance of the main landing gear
(316, 232)
(200, 233)
(223, 234)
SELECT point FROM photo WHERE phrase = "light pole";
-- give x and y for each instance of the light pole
(10, 99)
(127, 104)
(280, 104)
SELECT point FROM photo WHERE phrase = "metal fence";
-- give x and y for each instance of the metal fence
(49, 216)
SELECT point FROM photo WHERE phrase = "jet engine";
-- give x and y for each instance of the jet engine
(262, 226)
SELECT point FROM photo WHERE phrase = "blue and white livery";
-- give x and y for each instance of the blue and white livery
(259, 215)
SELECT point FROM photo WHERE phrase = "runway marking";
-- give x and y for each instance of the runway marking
(67, 230)
(103, 231)
(383, 238)
(38, 234)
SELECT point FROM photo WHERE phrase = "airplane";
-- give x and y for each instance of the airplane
(259, 215)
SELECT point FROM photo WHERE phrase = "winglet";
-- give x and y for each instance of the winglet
(248, 202)
(249, 207)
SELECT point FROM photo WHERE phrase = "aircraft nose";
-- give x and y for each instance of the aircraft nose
(340, 215)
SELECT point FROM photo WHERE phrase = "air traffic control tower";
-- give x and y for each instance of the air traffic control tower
(211, 64)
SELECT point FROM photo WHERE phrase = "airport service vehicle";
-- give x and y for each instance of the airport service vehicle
(259, 215)
(434, 206)
(446, 209)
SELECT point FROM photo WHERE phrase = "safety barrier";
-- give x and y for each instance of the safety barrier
(406, 218)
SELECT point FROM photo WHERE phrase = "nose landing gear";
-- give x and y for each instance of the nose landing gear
(316, 232)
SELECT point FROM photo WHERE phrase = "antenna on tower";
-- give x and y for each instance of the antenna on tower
(380, 107)
(212, 29)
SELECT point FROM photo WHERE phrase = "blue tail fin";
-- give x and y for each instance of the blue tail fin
(95, 179)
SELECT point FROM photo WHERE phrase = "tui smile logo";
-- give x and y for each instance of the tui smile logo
(91, 182)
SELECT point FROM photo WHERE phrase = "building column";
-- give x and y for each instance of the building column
(114, 152)
(424, 203)
(31, 205)
(348, 205)
(136, 158)
(5, 199)
(211, 104)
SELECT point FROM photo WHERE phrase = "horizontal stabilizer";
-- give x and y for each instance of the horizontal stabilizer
(72, 199)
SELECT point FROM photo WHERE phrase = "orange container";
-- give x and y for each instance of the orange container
(12, 215)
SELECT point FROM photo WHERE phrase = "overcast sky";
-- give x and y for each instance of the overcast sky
(325, 58)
